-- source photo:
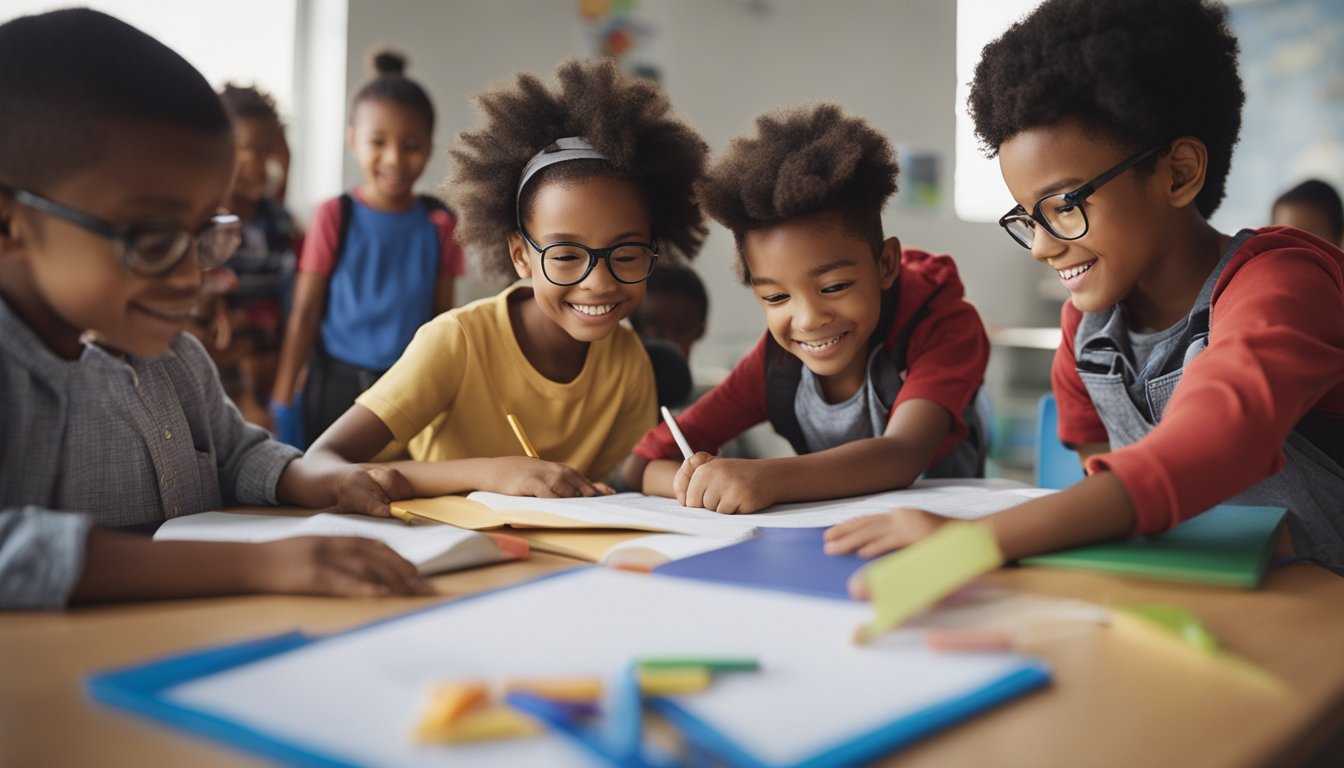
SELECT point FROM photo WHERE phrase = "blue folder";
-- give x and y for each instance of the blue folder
(787, 559)
(144, 690)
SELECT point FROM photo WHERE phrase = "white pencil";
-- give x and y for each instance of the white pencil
(676, 434)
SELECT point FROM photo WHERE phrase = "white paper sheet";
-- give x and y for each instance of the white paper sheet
(357, 696)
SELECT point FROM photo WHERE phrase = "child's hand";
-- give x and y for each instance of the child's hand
(370, 489)
(728, 486)
(524, 476)
(333, 565)
(879, 534)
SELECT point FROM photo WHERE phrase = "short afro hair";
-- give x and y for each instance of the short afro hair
(249, 101)
(388, 82)
(627, 119)
(67, 76)
(800, 162)
(1323, 197)
(1133, 74)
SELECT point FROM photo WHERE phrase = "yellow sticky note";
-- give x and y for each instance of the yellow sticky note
(489, 723)
(912, 579)
(673, 680)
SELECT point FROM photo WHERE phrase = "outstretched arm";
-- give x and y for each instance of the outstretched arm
(1095, 509)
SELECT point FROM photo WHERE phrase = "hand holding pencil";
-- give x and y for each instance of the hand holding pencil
(544, 479)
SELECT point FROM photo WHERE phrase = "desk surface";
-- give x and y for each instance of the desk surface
(1113, 702)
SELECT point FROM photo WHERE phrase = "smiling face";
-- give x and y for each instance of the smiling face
(1125, 217)
(259, 141)
(391, 143)
(821, 290)
(597, 212)
(65, 280)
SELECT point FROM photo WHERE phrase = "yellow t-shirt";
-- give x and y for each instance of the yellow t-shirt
(448, 394)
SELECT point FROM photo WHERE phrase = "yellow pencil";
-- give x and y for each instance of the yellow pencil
(522, 436)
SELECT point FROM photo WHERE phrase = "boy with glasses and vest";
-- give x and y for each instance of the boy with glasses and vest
(1197, 368)
(872, 359)
(114, 157)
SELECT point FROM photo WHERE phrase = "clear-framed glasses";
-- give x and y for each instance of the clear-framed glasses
(567, 263)
(150, 250)
(1063, 215)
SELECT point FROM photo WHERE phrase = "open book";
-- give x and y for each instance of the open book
(631, 550)
(963, 499)
(431, 548)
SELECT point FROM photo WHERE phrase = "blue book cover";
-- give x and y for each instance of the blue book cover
(787, 559)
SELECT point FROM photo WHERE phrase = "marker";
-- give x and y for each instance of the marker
(522, 436)
(676, 434)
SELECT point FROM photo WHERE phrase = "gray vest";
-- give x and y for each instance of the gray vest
(1311, 484)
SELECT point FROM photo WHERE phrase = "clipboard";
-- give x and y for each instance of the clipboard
(244, 695)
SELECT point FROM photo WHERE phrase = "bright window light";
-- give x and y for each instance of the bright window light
(979, 193)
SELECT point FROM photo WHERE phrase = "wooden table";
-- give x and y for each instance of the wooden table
(1114, 700)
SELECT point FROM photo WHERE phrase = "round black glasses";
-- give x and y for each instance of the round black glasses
(147, 250)
(568, 263)
(1063, 215)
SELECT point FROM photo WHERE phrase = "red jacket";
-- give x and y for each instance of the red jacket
(945, 354)
(1275, 353)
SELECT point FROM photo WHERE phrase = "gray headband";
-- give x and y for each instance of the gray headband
(570, 148)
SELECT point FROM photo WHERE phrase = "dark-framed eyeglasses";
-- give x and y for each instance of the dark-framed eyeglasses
(1063, 215)
(149, 250)
(566, 263)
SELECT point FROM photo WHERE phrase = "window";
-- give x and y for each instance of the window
(979, 193)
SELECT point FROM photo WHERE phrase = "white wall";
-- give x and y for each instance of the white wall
(723, 63)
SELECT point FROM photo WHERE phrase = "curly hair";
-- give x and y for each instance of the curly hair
(628, 120)
(1133, 74)
(249, 101)
(802, 161)
(388, 82)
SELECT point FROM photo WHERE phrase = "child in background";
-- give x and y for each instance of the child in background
(1312, 206)
(675, 308)
(872, 360)
(109, 188)
(1197, 368)
(580, 188)
(376, 263)
(254, 307)
(669, 320)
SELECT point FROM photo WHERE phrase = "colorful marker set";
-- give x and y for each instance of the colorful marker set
(573, 707)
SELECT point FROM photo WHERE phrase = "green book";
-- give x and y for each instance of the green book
(1226, 546)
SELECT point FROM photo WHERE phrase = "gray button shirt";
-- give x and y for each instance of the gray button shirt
(112, 441)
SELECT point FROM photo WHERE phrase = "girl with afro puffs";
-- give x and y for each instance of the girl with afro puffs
(1197, 368)
(582, 188)
(872, 360)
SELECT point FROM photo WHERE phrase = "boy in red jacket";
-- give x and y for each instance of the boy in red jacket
(872, 360)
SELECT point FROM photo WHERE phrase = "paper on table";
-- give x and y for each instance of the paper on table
(594, 621)
(432, 548)
(963, 499)
(912, 579)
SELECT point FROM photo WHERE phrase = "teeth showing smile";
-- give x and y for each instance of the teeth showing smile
(593, 309)
(813, 346)
(1073, 272)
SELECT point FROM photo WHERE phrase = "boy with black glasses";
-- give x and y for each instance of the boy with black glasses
(1197, 368)
(114, 156)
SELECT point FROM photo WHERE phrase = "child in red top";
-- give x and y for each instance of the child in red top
(872, 360)
(1197, 368)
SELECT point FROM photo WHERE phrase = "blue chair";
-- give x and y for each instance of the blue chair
(1056, 465)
